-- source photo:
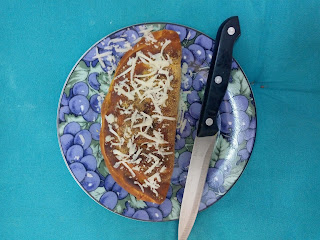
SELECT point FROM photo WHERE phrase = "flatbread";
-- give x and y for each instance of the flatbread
(139, 116)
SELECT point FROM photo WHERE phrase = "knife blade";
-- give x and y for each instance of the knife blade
(207, 131)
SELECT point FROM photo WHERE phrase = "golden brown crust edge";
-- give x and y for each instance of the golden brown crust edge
(172, 103)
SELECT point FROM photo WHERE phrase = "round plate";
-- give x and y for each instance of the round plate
(79, 119)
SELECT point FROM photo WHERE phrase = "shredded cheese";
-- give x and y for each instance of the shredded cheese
(152, 86)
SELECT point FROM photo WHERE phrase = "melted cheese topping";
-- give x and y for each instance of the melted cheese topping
(152, 87)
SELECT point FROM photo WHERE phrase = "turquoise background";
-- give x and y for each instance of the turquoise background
(278, 195)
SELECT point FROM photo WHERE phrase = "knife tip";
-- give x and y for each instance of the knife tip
(181, 237)
(182, 234)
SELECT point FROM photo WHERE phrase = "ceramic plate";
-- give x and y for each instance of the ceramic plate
(79, 122)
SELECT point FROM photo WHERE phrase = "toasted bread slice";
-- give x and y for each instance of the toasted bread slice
(139, 116)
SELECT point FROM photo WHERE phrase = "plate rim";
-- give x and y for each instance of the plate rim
(76, 64)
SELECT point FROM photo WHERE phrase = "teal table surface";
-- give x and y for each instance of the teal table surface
(278, 195)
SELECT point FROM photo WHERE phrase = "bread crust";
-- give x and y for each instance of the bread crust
(168, 127)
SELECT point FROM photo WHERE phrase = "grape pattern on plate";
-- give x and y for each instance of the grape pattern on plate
(79, 123)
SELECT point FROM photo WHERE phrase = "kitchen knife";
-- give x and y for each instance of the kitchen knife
(207, 132)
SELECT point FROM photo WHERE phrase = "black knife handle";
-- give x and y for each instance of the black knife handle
(218, 77)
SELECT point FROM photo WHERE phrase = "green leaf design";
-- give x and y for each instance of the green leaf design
(189, 139)
(220, 151)
(175, 210)
(98, 120)
(95, 147)
(235, 86)
(97, 69)
(87, 126)
(96, 194)
(91, 92)
(79, 74)
(188, 146)
(245, 89)
(73, 118)
(120, 206)
(201, 94)
(105, 80)
(239, 85)
(104, 77)
(234, 175)
(137, 204)
(61, 127)
(186, 43)
(242, 146)
(103, 170)
(234, 146)
(99, 158)
(96, 151)
(183, 99)
(185, 148)
(251, 110)
(78, 119)
(157, 27)
(104, 88)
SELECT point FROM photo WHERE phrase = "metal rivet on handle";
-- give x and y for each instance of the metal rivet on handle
(231, 31)
(218, 79)
(209, 121)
